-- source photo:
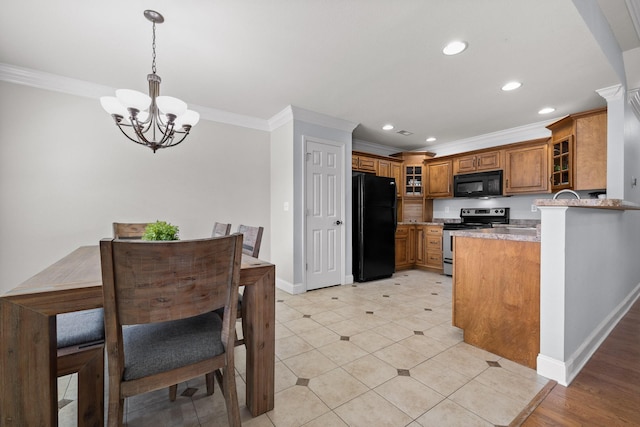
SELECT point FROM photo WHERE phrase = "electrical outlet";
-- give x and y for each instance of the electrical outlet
(534, 208)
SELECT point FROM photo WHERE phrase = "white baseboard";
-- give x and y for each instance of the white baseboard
(348, 280)
(565, 372)
(290, 288)
(552, 368)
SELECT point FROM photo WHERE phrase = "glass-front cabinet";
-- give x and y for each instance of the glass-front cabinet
(413, 180)
(562, 163)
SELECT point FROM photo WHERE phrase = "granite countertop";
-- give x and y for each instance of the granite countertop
(616, 204)
(507, 232)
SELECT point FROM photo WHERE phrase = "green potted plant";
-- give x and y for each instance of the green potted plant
(160, 230)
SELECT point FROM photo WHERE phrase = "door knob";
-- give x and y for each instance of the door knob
(338, 222)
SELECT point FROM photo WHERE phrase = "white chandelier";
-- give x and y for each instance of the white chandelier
(151, 120)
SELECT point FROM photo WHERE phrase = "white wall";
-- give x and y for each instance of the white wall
(590, 276)
(282, 161)
(67, 173)
(631, 178)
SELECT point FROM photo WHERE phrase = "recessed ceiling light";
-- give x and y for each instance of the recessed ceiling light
(511, 86)
(431, 139)
(387, 127)
(547, 110)
(405, 132)
(454, 47)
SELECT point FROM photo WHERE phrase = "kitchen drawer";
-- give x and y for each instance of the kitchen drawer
(402, 231)
(434, 230)
(434, 243)
(434, 260)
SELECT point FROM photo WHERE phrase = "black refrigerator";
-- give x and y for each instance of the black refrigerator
(374, 226)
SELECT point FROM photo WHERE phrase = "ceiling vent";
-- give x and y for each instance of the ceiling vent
(405, 132)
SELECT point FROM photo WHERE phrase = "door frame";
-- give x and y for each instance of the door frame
(343, 206)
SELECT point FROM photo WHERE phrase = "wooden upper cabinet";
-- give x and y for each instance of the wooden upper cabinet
(413, 183)
(526, 168)
(562, 168)
(384, 168)
(578, 151)
(361, 163)
(380, 165)
(486, 161)
(439, 179)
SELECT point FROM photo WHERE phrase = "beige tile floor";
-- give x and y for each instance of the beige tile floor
(380, 353)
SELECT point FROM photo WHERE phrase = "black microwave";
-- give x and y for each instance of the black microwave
(482, 184)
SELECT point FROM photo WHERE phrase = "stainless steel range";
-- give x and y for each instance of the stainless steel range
(469, 218)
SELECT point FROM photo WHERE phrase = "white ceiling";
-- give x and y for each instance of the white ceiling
(365, 61)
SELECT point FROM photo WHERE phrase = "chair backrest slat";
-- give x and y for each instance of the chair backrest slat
(123, 230)
(221, 229)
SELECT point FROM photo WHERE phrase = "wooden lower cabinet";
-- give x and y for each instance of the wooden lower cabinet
(405, 246)
(419, 246)
(434, 247)
(496, 296)
(429, 247)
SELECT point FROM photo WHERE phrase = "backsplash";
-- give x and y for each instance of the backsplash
(521, 210)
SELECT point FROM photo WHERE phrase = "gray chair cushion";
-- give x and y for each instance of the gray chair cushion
(80, 327)
(159, 347)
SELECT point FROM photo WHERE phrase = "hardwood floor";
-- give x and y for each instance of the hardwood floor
(607, 390)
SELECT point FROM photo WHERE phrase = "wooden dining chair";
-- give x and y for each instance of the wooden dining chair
(221, 229)
(252, 237)
(251, 240)
(161, 329)
(80, 346)
(124, 230)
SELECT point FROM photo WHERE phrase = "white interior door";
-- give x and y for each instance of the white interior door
(324, 214)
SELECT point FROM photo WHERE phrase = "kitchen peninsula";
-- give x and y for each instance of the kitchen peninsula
(496, 290)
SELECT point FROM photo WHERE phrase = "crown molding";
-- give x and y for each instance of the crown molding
(633, 6)
(283, 117)
(41, 80)
(611, 92)
(508, 136)
(53, 82)
(371, 147)
(634, 100)
(296, 113)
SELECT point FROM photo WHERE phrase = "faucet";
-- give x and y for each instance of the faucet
(555, 196)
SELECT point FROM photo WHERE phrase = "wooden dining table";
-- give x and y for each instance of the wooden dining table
(28, 334)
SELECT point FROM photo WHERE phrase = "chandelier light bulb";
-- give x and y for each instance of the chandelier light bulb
(112, 106)
(170, 105)
(189, 118)
(133, 99)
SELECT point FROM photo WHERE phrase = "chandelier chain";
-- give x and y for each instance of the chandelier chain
(153, 46)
